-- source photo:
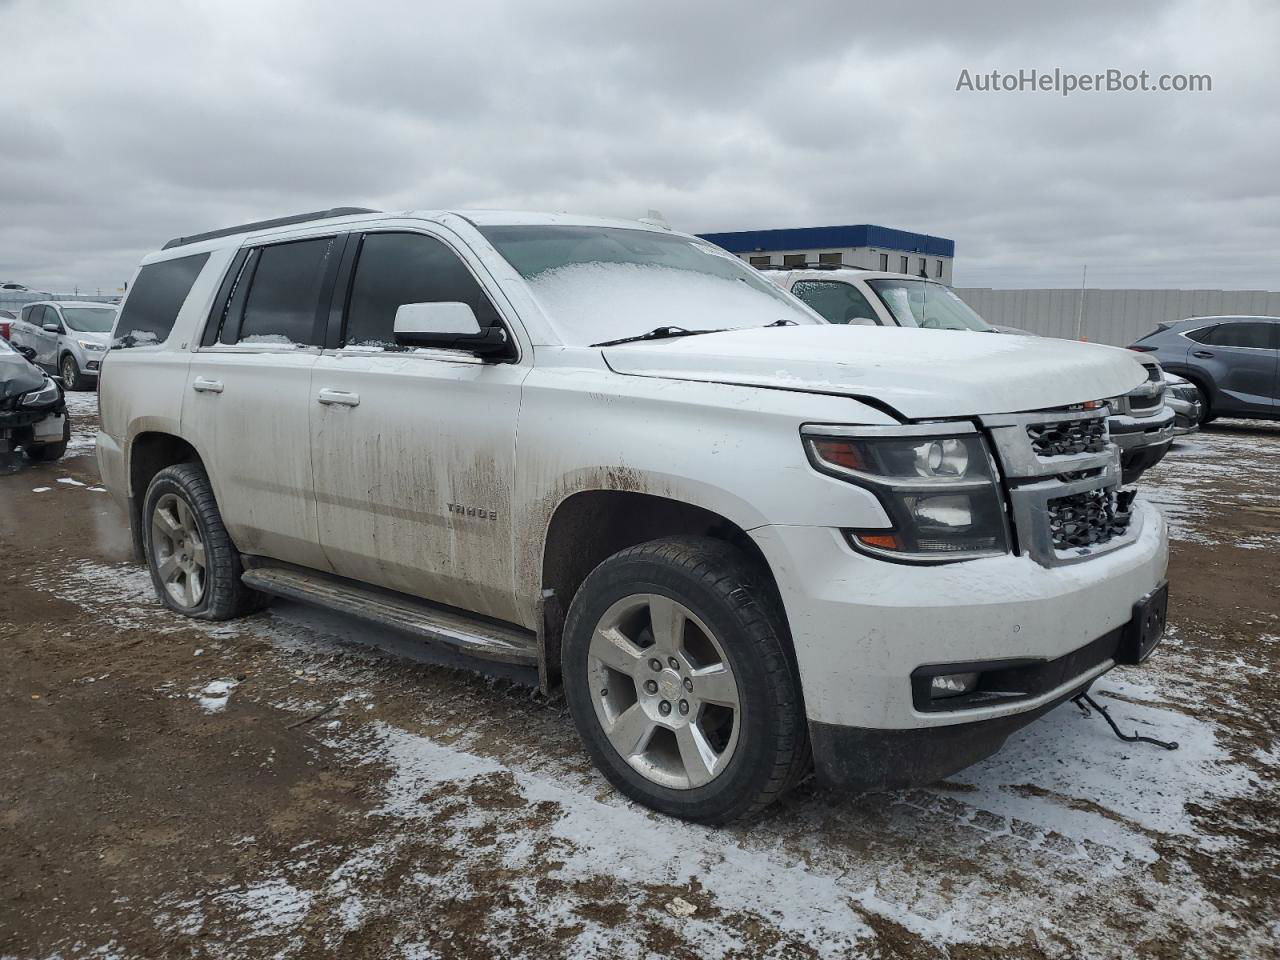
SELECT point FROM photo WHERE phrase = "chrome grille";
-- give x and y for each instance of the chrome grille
(1085, 519)
(1067, 437)
(1063, 476)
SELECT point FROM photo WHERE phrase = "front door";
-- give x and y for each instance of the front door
(247, 402)
(1237, 356)
(413, 450)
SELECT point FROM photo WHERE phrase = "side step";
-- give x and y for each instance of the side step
(476, 636)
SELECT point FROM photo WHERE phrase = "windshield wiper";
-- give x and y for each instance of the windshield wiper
(783, 322)
(657, 333)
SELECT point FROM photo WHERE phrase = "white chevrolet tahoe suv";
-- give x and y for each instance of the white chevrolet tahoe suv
(743, 540)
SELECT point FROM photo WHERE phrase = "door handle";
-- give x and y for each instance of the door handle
(201, 385)
(339, 398)
(1202, 354)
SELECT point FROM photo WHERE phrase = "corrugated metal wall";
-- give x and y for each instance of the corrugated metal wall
(1117, 317)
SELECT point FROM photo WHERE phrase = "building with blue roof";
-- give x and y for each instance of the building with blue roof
(862, 245)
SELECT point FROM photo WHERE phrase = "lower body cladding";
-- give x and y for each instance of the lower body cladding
(911, 673)
(1143, 441)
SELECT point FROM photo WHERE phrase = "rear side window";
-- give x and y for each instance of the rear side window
(281, 304)
(153, 304)
(399, 268)
(1254, 334)
(838, 302)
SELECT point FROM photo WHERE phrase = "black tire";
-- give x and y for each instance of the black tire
(69, 370)
(224, 595)
(49, 452)
(737, 602)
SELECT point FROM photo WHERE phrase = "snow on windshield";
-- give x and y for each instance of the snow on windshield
(592, 302)
(605, 283)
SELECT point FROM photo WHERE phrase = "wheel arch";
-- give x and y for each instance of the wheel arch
(590, 526)
(150, 451)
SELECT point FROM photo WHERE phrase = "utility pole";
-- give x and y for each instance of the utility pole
(1080, 306)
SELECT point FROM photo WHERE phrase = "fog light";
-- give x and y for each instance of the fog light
(952, 685)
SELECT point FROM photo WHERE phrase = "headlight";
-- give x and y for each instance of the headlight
(90, 345)
(938, 486)
(45, 395)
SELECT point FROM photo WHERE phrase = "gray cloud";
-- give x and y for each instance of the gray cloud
(124, 124)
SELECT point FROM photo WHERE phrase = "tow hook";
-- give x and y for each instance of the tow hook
(1084, 698)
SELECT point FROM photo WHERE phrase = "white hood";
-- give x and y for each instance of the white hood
(920, 373)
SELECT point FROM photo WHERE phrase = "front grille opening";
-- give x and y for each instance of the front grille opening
(1145, 403)
(1086, 519)
(1068, 437)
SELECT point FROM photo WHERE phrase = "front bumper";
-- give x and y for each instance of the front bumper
(25, 426)
(1186, 415)
(1143, 441)
(861, 627)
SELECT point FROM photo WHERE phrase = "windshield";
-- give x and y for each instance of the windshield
(923, 303)
(89, 319)
(605, 283)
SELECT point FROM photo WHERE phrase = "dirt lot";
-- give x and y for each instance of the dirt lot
(159, 797)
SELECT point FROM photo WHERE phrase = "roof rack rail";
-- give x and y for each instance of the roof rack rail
(267, 224)
(808, 266)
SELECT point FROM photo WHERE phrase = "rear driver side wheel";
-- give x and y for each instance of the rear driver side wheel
(194, 566)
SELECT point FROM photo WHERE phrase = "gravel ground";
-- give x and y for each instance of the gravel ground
(160, 797)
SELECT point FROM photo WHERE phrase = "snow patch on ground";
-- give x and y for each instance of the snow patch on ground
(215, 694)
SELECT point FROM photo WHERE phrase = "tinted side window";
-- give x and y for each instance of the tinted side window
(399, 268)
(1247, 334)
(837, 302)
(281, 305)
(153, 304)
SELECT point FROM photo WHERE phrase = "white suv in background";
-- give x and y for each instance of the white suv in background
(69, 337)
(743, 540)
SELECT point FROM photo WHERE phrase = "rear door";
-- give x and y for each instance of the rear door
(247, 402)
(414, 449)
(1238, 356)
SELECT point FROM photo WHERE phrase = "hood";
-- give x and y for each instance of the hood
(17, 375)
(93, 337)
(920, 373)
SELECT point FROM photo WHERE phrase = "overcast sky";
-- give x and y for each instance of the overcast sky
(123, 124)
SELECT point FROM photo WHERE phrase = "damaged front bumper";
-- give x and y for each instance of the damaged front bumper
(31, 426)
(1143, 441)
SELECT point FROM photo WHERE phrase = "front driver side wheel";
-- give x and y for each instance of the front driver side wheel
(679, 681)
(71, 374)
(194, 566)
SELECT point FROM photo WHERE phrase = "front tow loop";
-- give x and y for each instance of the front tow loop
(1084, 698)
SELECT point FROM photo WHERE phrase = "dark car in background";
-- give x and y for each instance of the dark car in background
(1234, 362)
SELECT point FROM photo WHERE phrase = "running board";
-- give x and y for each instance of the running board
(475, 636)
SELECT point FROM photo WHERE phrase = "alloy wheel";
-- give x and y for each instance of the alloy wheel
(179, 553)
(664, 691)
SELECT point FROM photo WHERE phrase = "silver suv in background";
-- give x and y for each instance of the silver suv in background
(69, 337)
(1141, 425)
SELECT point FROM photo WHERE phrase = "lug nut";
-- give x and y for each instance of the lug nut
(664, 708)
(675, 664)
(688, 684)
(655, 664)
(651, 686)
(684, 706)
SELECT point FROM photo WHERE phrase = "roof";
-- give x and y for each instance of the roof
(346, 215)
(72, 303)
(853, 235)
(850, 273)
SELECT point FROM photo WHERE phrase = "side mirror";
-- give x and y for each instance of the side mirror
(28, 352)
(448, 326)
(52, 328)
